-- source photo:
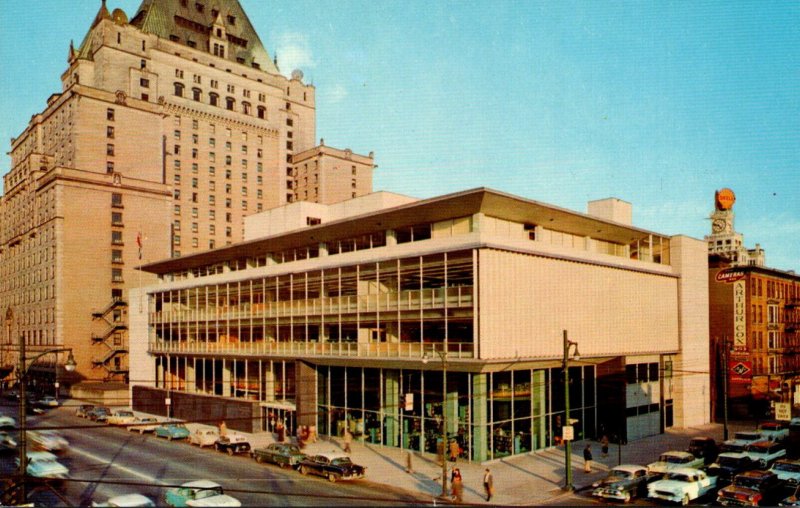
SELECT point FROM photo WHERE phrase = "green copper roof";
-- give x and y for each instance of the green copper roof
(191, 20)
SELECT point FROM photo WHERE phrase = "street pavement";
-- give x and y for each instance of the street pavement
(535, 478)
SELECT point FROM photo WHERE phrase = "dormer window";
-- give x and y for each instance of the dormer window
(214, 13)
(231, 20)
(219, 32)
(200, 7)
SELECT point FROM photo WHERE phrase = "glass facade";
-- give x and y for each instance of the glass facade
(490, 415)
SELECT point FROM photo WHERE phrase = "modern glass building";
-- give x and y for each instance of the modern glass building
(402, 319)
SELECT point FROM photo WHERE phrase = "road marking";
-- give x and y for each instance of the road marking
(117, 466)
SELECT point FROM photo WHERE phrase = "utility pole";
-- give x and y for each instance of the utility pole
(725, 388)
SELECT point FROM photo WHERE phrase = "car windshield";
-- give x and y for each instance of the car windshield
(216, 491)
(730, 461)
(747, 482)
(747, 436)
(680, 477)
(770, 426)
(673, 459)
(789, 468)
(292, 449)
(341, 461)
(757, 449)
(619, 474)
(730, 447)
(124, 413)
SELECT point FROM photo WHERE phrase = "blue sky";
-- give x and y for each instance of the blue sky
(657, 103)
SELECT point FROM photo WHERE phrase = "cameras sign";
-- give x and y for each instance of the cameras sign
(741, 372)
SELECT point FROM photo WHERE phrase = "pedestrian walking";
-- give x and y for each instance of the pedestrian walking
(457, 486)
(409, 465)
(223, 429)
(604, 445)
(280, 430)
(454, 450)
(348, 438)
(488, 484)
(587, 459)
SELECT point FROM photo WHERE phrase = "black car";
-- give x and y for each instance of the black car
(99, 414)
(333, 466)
(729, 464)
(704, 447)
(84, 410)
(623, 483)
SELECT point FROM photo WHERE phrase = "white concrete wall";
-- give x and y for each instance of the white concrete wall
(526, 301)
(691, 368)
(142, 366)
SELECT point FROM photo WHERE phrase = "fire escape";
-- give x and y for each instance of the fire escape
(112, 337)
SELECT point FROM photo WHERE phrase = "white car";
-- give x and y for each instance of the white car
(144, 424)
(48, 440)
(764, 453)
(199, 493)
(48, 401)
(668, 461)
(204, 437)
(787, 470)
(682, 485)
(7, 442)
(6, 422)
(121, 417)
(127, 501)
(45, 465)
(740, 440)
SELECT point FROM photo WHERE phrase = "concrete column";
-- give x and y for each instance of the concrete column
(226, 378)
(306, 393)
(451, 406)
(391, 238)
(191, 378)
(391, 407)
(323, 249)
(160, 372)
(480, 422)
(269, 383)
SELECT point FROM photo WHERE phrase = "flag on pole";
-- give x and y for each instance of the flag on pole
(139, 243)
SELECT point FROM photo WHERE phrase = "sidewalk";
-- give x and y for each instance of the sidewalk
(535, 478)
(531, 479)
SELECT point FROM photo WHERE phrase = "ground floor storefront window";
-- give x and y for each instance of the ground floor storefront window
(489, 415)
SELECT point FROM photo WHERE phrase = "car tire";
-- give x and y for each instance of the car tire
(169, 438)
(259, 459)
(303, 470)
(685, 501)
(331, 477)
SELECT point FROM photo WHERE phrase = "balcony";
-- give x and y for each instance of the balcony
(410, 350)
(451, 298)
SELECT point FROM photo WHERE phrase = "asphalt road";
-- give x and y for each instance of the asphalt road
(106, 462)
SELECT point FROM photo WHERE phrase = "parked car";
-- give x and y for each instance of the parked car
(623, 483)
(333, 466)
(7, 442)
(45, 465)
(704, 447)
(729, 464)
(199, 493)
(127, 501)
(121, 417)
(792, 500)
(204, 437)
(764, 453)
(282, 454)
(774, 431)
(7, 422)
(99, 414)
(232, 444)
(740, 440)
(673, 460)
(83, 410)
(682, 485)
(48, 440)
(172, 430)
(788, 471)
(751, 488)
(48, 401)
(144, 424)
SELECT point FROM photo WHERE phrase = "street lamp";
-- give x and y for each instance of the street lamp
(568, 344)
(443, 357)
(22, 375)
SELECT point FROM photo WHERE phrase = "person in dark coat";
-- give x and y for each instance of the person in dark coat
(587, 459)
(488, 484)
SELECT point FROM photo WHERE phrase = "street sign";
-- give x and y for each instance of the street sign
(167, 401)
(409, 402)
(568, 433)
(783, 411)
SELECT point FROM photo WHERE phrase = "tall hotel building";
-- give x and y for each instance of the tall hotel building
(170, 128)
(387, 315)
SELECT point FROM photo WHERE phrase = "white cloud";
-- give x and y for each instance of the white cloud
(294, 52)
(334, 94)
